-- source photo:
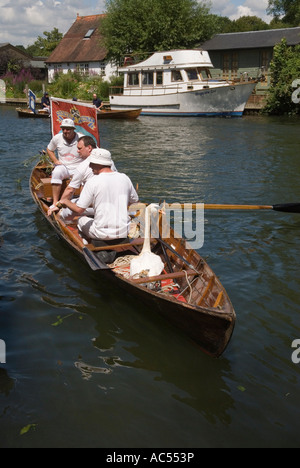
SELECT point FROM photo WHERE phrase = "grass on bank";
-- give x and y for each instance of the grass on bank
(65, 86)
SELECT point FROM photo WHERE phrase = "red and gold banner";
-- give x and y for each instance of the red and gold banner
(83, 115)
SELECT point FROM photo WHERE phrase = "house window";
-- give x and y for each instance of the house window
(230, 65)
(57, 67)
(83, 68)
(102, 68)
(89, 34)
(234, 65)
(226, 66)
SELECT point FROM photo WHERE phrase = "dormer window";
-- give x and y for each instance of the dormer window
(89, 34)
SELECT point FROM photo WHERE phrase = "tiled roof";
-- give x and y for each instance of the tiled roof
(74, 47)
(253, 39)
(7, 47)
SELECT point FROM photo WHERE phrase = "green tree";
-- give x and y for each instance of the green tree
(222, 24)
(285, 69)
(249, 23)
(145, 26)
(287, 11)
(43, 46)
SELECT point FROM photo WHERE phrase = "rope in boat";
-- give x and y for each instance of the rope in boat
(169, 288)
(122, 265)
(189, 285)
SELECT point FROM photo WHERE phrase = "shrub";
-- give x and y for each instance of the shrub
(285, 68)
(16, 83)
(66, 86)
(70, 85)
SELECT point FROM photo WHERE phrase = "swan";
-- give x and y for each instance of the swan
(147, 261)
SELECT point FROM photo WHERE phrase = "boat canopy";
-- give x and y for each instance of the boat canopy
(172, 59)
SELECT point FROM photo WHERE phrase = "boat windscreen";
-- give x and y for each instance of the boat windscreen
(205, 73)
(192, 74)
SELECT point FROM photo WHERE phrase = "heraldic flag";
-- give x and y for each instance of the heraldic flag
(83, 115)
(31, 100)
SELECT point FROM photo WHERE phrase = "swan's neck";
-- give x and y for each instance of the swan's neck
(146, 246)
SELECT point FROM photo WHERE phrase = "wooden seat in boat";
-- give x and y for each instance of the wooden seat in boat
(46, 187)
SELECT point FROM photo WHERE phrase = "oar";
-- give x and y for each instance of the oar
(93, 261)
(167, 246)
(285, 208)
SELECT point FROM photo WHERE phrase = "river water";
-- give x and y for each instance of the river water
(89, 366)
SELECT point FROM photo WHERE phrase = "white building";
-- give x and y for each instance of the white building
(81, 50)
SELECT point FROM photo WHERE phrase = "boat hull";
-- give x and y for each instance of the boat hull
(206, 317)
(29, 114)
(216, 328)
(130, 114)
(224, 101)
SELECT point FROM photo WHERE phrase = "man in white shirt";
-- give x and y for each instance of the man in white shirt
(82, 174)
(67, 159)
(109, 193)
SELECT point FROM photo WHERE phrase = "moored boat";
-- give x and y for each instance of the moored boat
(187, 293)
(119, 114)
(180, 83)
(29, 114)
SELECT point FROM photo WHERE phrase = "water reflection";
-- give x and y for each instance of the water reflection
(87, 371)
(131, 337)
(6, 382)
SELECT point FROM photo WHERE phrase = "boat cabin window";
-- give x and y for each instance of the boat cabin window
(205, 73)
(192, 74)
(147, 78)
(133, 79)
(159, 78)
(176, 75)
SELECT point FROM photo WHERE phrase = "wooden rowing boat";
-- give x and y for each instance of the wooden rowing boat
(119, 114)
(198, 305)
(29, 114)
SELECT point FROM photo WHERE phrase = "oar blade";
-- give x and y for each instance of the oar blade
(93, 261)
(288, 208)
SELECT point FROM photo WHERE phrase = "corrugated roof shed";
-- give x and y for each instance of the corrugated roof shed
(82, 43)
(252, 39)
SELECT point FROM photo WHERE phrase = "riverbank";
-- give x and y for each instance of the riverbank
(18, 102)
(254, 106)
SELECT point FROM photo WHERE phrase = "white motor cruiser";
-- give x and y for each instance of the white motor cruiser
(179, 83)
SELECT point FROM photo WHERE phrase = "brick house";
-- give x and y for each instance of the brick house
(81, 50)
